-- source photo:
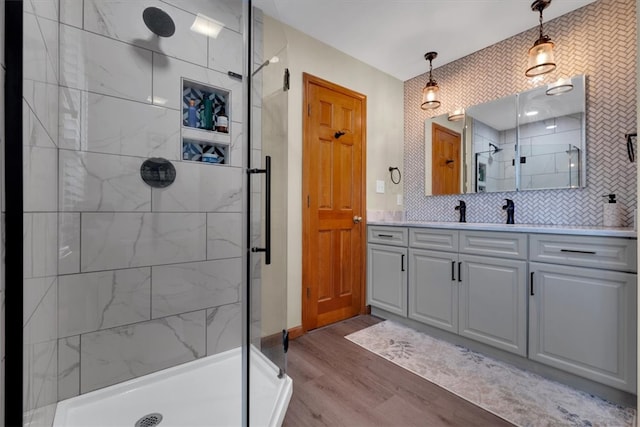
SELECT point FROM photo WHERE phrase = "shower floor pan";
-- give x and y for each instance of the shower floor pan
(205, 392)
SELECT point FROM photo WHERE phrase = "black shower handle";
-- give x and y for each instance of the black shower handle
(267, 228)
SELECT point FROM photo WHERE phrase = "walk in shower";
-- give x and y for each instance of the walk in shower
(142, 287)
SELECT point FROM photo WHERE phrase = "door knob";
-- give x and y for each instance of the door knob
(357, 219)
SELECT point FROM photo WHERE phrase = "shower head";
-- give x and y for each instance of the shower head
(272, 60)
(495, 148)
(159, 22)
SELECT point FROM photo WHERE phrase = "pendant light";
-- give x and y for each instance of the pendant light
(559, 87)
(456, 115)
(541, 59)
(430, 91)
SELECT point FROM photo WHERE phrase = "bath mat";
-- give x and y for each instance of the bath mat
(520, 397)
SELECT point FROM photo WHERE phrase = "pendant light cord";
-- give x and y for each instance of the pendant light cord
(541, 30)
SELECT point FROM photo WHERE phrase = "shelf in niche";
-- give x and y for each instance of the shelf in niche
(205, 136)
(200, 144)
(196, 151)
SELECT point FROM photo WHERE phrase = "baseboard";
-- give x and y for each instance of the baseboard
(295, 332)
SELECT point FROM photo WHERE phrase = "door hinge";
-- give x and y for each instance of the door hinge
(308, 109)
(308, 201)
(308, 292)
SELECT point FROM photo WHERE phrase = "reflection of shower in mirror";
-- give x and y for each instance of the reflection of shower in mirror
(573, 149)
(574, 166)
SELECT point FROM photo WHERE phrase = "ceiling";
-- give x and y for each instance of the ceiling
(394, 35)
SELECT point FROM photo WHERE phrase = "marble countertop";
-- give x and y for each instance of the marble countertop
(580, 230)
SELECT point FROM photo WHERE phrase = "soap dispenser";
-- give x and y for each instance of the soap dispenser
(611, 212)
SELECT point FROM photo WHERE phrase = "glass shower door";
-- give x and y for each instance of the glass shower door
(135, 201)
(268, 207)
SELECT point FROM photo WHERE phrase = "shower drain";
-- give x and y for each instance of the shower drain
(149, 420)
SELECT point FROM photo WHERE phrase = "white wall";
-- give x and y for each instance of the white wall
(385, 135)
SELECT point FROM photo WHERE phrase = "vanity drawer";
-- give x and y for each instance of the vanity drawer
(587, 251)
(396, 236)
(498, 244)
(428, 238)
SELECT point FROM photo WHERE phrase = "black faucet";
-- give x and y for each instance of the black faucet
(509, 207)
(463, 211)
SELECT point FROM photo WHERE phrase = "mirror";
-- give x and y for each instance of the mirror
(551, 135)
(527, 141)
(490, 136)
(443, 155)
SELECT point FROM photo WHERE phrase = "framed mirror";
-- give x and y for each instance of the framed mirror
(551, 136)
(490, 137)
(527, 141)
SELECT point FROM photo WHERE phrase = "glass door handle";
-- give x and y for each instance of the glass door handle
(267, 208)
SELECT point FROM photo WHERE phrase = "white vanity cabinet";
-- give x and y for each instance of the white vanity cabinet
(493, 289)
(433, 287)
(566, 301)
(582, 307)
(493, 302)
(473, 285)
(387, 268)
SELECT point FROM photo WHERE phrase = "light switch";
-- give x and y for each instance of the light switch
(379, 186)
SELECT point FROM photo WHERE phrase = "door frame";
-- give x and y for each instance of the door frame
(308, 80)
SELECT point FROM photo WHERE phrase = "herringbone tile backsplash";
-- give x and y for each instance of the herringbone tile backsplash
(598, 40)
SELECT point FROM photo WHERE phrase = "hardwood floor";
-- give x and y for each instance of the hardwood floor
(337, 383)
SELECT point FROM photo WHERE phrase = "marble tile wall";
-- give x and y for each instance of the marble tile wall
(148, 278)
(40, 166)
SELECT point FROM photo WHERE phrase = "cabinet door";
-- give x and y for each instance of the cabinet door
(493, 302)
(583, 321)
(433, 288)
(387, 278)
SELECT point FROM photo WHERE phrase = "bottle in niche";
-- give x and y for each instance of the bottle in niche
(222, 122)
(192, 116)
(207, 114)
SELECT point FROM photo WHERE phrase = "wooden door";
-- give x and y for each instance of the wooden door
(446, 161)
(333, 203)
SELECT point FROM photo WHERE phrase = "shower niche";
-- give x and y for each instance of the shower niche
(206, 123)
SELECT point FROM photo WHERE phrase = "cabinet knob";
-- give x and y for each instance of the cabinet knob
(357, 219)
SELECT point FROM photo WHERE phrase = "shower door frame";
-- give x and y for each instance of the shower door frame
(247, 6)
(13, 173)
(13, 280)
